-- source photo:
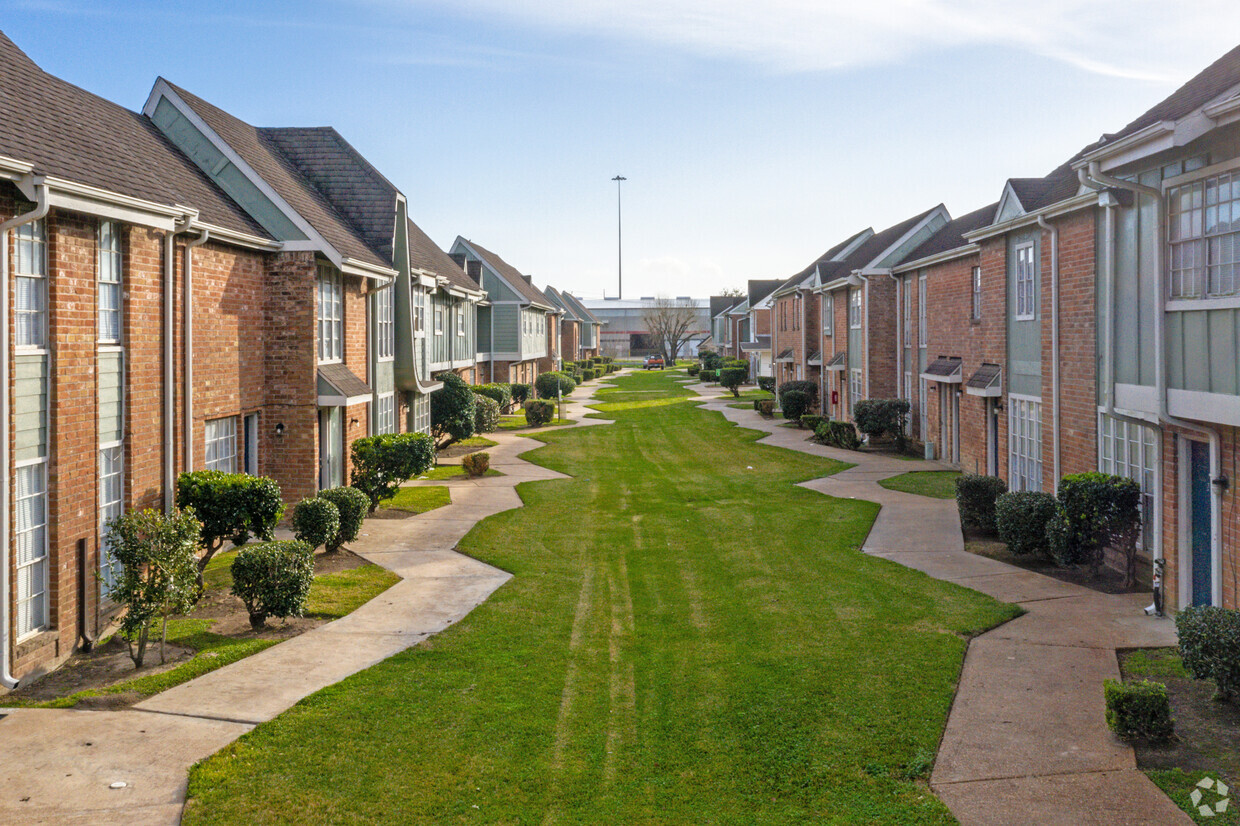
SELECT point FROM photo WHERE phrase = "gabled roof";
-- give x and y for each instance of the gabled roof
(741, 307)
(511, 275)
(840, 251)
(582, 311)
(1212, 82)
(261, 151)
(721, 304)
(759, 290)
(951, 236)
(67, 132)
(425, 254)
(557, 298)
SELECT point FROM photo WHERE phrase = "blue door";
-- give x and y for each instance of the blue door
(1199, 522)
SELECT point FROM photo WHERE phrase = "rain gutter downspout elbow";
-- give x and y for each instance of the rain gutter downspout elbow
(7, 680)
(188, 321)
(1056, 452)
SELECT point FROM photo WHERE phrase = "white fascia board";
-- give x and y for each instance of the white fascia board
(335, 400)
(937, 258)
(240, 239)
(1215, 408)
(1224, 112)
(91, 200)
(164, 90)
(939, 210)
(351, 266)
(863, 236)
(1154, 138)
(1076, 202)
(12, 169)
(831, 286)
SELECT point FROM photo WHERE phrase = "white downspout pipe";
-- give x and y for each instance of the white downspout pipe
(865, 297)
(7, 680)
(899, 336)
(169, 376)
(188, 322)
(1055, 450)
(1160, 374)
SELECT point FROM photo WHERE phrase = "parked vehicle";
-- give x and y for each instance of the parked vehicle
(654, 361)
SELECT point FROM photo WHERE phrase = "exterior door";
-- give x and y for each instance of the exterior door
(331, 447)
(1199, 523)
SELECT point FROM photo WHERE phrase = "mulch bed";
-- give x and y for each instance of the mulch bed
(1108, 581)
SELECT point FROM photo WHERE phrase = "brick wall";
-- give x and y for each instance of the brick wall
(880, 363)
(1078, 405)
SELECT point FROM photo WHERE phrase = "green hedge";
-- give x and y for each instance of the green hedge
(975, 499)
(232, 506)
(520, 392)
(1210, 647)
(587, 375)
(766, 383)
(694, 368)
(452, 409)
(795, 404)
(551, 385)
(733, 377)
(809, 388)
(486, 414)
(501, 393)
(1138, 709)
(837, 434)
(351, 505)
(708, 376)
(879, 418)
(766, 409)
(273, 579)
(315, 521)
(1096, 511)
(810, 421)
(383, 461)
(1022, 519)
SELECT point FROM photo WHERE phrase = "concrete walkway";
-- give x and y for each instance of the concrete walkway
(63, 763)
(1026, 740)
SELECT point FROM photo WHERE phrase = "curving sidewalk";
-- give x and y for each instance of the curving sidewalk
(1026, 740)
(66, 761)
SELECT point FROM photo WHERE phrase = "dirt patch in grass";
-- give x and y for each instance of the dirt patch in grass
(465, 447)
(1108, 581)
(1207, 732)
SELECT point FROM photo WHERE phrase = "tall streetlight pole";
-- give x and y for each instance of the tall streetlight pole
(619, 242)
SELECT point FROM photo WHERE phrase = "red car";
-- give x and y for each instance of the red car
(654, 361)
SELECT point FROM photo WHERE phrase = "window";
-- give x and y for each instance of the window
(796, 312)
(331, 316)
(1026, 292)
(1127, 449)
(222, 444)
(438, 321)
(977, 293)
(1203, 234)
(828, 314)
(1025, 443)
(460, 319)
(421, 413)
(30, 531)
(855, 387)
(921, 312)
(387, 413)
(419, 299)
(783, 315)
(30, 302)
(109, 284)
(908, 395)
(854, 309)
(111, 505)
(385, 316)
(907, 296)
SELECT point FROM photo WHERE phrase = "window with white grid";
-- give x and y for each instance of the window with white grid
(921, 311)
(421, 413)
(386, 413)
(828, 314)
(796, 312)
(907, 311)
(385, 317)
(854, 309)
(977, 293)
(460, 319)
(222, 444)
(1024, 443)
(855, 387)
(111, 505)
(1026, 289)
(419, 306)
(30, 540)
(1203, 237)
(331, 315)
(109, 283)
(438, 321)
(30, 284)
(1129, 450)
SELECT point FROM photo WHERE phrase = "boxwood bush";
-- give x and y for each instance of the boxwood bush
(1138, 709)
(766, 383)
(880, 418)
(811, 421)
(766, 409)
(232, 506)
(351, 505)
(476, 464)
(1210, 647)
(710, 359)
(1097, 511)
(501, 393)
(795, 404)
(538, 412)
(315, 521)
(486, 414)
(273, 579)
(1022, 519)
(694, 368)
(733, 377)
(383, 461)
(975, 499)
(452, 409)
(550, 385)
(837, 434)
(520, 392)
(708, 376)
(587, 375)
(809, 388)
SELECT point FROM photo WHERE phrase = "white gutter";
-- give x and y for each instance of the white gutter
(899, 333)
(6, 414)
(1217, 480)
(187, 320)
(1076, 202)
(1056, 452)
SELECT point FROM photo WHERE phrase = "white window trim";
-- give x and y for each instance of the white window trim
(828, 315)
(385, 324)
(1032, 312)
(45, 585)
(855, 307)
(387, 400)
(460, 319)
(35, 234)
(975, 276)
(106, 564)
(922, 315)
(332, 345)
(437, 319)
(117, 263)
(207, 442)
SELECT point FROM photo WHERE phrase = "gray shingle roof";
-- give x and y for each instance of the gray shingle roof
(720, 303)
(558, 299)
(759, 290)
(69, 133)
(1205, 86)
(261, 151)
(583, 312)
(513, 276)
(951, 236)
(425, 254)
(823, 261)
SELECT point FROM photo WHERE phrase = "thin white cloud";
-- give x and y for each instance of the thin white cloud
(1140, 39)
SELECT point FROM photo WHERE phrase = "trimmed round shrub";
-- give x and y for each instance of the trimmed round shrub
(351, 505)
(486, 414)
(551, 385)
(273, 579)
(879, 418)
(837, 434)
(500, 393)
(1139, 709)
(452, 409)
(476, 464)
(520, 392)
(587, 375)
(766, 409)
(733, 377)
(795, 404)
(811, 421)
(809, 388)
(383, 461)
(1022, 519)
(1210, 647)
(694, 368)
(1096, 511)
(539, 413)
(315, 521)
(708, 376)
(975, 499)
(766, 383)
(229, 506)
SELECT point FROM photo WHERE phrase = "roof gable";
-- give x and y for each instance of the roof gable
(505, 272)
(426, 255)
(583, 312)
(951, 236)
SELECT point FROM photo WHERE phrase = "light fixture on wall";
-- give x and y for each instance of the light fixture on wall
(280, 429)
(352, 422)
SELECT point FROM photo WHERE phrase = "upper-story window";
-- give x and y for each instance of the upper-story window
(460, 319)
(30, 302)
(109, 283)
(1026, 285)
(438, 320)
(922, 338)
(385, 318)
(906, 311)
(828, 314)
(796, 312)
(1203, 233)
(977, 293)
(419, 306)
(854, 309)
(331, 315)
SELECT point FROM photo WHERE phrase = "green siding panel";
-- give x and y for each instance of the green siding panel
(507, 328)
(1024, 337)
(484, 329)
(385, 381)
(109, 399)
(30, 414)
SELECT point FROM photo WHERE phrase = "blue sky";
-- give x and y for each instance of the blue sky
(753, 135)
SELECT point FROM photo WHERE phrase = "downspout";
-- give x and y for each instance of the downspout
(1054, 231)
(866, 322)
(1217, 480)
(188, 322)
(899, 335)
(6, 415)
(169, 390)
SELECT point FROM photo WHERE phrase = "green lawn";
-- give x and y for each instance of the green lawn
(687, 638)
(476, 441)
(518, 422)
(418, 499)
(439, 474)
(940, 484)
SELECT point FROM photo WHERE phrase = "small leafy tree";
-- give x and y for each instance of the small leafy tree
(550, 385)
(315, 521)
(878, 418)
(733, 377)
(1210, 647)
(158, 576)
(975, 499)
(1097, 511)
(351, 504)
(520, 392)
(273, 579)
(452, 410)
(809, 388)
(1022, 520)
(383, 461)
(486, 414)
(229, 506)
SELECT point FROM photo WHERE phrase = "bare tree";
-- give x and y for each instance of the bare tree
(731, 292)
(669, 320)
